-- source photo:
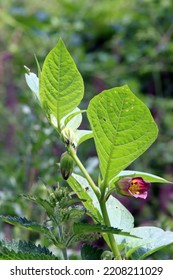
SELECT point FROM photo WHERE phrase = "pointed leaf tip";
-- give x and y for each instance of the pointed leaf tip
(61, 86)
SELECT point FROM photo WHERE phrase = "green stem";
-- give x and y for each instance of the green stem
(101, 199)
(85, 173)
(64, 250)
(113, 244)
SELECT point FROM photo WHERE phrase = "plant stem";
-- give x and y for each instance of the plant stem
(64, 250)
(85, 173)
(111, 238)
(101, 200)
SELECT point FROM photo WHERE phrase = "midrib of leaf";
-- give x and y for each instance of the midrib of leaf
(57, 80)
(113, 143)
(57, 107)
(61, 85)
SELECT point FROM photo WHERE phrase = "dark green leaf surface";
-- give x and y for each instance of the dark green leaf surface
(24, 223)
(89, 252)
(23, 250)
(80, 228)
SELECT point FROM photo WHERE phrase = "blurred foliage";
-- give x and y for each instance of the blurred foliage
(113, 43)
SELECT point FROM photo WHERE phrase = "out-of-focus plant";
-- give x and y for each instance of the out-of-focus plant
(122, 128)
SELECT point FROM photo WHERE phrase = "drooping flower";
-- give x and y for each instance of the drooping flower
(136, 187)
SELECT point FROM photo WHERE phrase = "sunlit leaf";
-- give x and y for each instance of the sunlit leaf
(123, 129)
(61, 85)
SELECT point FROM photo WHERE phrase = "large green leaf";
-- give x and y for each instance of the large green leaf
(61, 85)
(123, 129)
(151, 240)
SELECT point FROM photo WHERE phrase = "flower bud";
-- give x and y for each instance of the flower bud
(66, 165)
(135, 187)
(68, 136)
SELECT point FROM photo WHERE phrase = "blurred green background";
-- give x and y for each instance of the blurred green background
(113, 42)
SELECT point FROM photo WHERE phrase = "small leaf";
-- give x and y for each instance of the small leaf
(89, 252)
(123, 129)
(76, 213)
(61, 85)
(33, 83)
(73, 120)
(146, 176)
(83, 135)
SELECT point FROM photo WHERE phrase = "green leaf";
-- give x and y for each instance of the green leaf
(152, 240)
(76, 213)
(22, 250)
(61, 85)
(41, 202)
(33, 83)
(120, 217)
(83, 135)
(74, 119)
(24, 223)
(80, 228)
(123, 129)
(89, 252)
(81, 187)
(146, 176)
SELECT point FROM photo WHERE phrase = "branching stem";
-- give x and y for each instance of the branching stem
(101, 199)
